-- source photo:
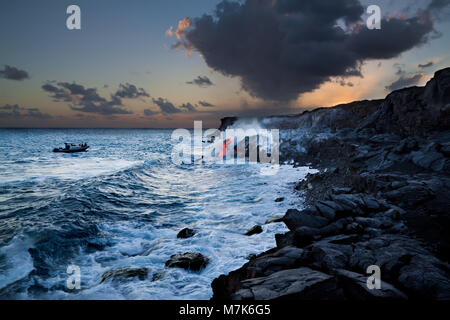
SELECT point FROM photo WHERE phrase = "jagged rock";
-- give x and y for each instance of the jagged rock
(385, 138)
(274, 219)
(398, 184)
(427, 277)
(410, 195)
(189, 260)
(305, 235)
(123, 273)
(428, 160)
(404, 260)
(226, 122)
(327, 256)
(302, 283)
(407, 145)
(333, 205)
(416, 110)
(268, 263)
(375, 223)
(305, 218)
(355, 287)
(254, 230)
(350, 202)
(445, 150)
(186, 233)
(159, 275)
(372, 204)
(326, 211)
(341, 190)
(284, 239)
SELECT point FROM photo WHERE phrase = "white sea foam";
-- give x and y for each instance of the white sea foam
(15, 260)
(62, 168)
(220, 222)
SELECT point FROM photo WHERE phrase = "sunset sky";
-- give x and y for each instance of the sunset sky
(166, 63)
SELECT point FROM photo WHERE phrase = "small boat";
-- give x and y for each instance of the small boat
(71, 148)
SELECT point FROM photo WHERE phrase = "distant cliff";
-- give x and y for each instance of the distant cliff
(414, 110)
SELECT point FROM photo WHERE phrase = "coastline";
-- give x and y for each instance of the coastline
(381, 198)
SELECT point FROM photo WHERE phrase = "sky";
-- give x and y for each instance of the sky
(166, 63)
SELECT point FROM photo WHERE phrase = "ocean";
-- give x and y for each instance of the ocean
(121, 205)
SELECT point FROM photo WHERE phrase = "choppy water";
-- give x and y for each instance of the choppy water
(121, 204)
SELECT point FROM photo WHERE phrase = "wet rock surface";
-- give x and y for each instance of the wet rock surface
(193, 261)
(186, 233)
(254, 230)
(124, 273)
(381, 198)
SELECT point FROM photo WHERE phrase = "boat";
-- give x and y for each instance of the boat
(71, 148)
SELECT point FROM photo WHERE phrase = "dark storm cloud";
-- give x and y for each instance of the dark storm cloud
(201, 81)
(188, 107)
(438, 4)
(57, 93)
(130, 91)
(84, 116)
(85, 99)
(150, 112)
(17, 112)
(12, 73)
(166, 106)
(405, 81)
(399, 67)
(282, 49)
(205, 104)
(396, 36)
(426, 65)
(345, 84)
(106, 107)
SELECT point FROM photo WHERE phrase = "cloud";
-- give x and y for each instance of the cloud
(57, 93)
(106, 107)
(12, 73)
(205, 104)
(188, 107)
(201, 81)
(130, 91)
(399, 68)
(17, 112)
(166, 106)
(182, 26)
(282, 49)
(346, 84)
(85, 117)
(438, 4)
(87, 99)
(150, 112)
(405, 81)
(426, 65)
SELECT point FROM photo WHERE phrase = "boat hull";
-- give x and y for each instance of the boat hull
(79, 149)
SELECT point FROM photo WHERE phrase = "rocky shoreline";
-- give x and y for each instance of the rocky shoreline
(381, 198)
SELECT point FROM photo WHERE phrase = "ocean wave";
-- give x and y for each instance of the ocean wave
(15, 260)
